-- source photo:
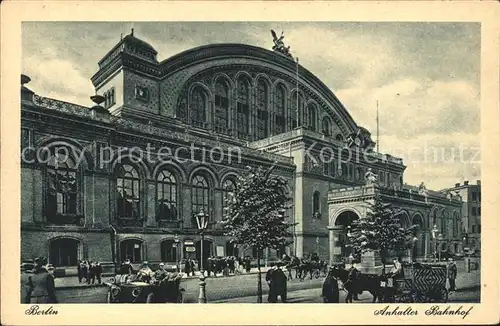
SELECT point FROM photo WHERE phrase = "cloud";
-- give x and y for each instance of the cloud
(60, 79)
(425, 76)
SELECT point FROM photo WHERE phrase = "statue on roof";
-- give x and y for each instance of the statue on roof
(422, 190)
(279, 45)
(370, 177)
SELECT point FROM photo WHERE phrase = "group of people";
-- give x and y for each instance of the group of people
(145, 273)
(227, 265)
(90, 271)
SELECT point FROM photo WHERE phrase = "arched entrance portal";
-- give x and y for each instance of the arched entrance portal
(341, 248)
(64, 252)
(207, 252)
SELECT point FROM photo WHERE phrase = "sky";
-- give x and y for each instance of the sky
(424, 76)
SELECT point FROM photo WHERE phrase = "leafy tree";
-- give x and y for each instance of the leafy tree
(380, 230)
(255, 214)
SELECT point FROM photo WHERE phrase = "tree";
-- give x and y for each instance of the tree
(381, 230)
(255, 214)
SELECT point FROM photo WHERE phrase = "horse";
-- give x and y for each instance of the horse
(293, 263)
(359, 282)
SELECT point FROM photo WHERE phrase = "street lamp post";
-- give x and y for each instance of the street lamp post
(317, 246)
(202, 221)
(440, 238)
(177, 253)
(434, 234)
(414, 240)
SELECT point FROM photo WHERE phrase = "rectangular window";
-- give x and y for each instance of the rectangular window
(474, 212)
(474, 196)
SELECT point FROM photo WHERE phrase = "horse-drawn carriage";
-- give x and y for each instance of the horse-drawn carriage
(421, 283)
(130, 289)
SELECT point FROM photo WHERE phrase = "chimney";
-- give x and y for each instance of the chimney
(466, 183)
(457, 185)
(478, 182)
(26, 93)
(98, 111)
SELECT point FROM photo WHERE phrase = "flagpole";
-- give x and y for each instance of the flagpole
(377, 130)
(297, 78)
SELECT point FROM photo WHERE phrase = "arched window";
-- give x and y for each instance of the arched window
(221, 108)
(280, 110)
(296, 106)
(339, 137)
(326, 126)
(64, 252)
(198, 107)
(128, 192)
(444, 220)
(63, 187)
(228, 188)
(311, 117)
(456, 222)
(166, 196)
(200, 195)
(169, 251)
(262, 109)
(131, 249)
(243, 108)
(316, 204)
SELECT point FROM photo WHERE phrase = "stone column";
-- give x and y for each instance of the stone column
(335, 251)
(150, 204)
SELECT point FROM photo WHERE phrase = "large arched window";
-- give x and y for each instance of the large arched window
(316, 204)
(280, 124)
(221, 108)
(198, 107)
(63, 187)
(200, 195)
(311, 116)
(444, 222)
(243, 108)
(166, 196)
(296, 107)
(262, 109)
(169, 251)
(128, 192)
(132, 249)
(326, 125)
(456, 223)
(228, 188)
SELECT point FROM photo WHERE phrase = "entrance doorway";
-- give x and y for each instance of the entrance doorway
(344, 221)
(64, 252)
(207, 252)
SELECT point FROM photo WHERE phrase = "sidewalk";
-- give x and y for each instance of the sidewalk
(69, 282)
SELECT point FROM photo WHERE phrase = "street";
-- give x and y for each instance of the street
(243, 289)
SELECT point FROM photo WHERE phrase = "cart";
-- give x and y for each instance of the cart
(421, 283)
(126, 289)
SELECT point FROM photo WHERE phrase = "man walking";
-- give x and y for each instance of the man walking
(276, 279)
(452, 273)
(41, 288)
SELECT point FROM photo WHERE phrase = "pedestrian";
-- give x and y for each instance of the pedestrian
(276, 279)
(91, 272)
(80, 272)
(41, 288)
(126, 268)
(187, 267)
(85, 271)
(452, 273)
(330, 288)
(98, 271)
